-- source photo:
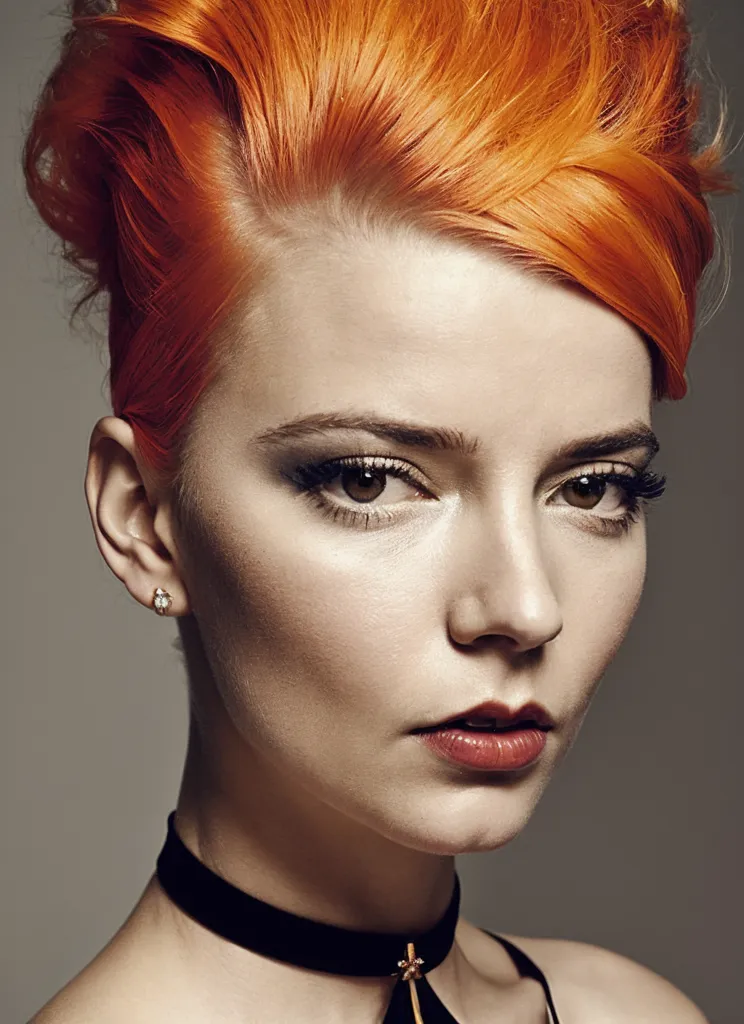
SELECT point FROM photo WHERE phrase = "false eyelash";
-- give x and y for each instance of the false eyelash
(640, 490)
(309, 479)
(315, 474)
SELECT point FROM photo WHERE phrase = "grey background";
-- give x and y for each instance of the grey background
(636, 846)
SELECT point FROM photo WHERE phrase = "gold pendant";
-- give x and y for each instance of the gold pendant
(410, 971)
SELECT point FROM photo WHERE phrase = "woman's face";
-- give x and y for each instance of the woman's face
(339, 611)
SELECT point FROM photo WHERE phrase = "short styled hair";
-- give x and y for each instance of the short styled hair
(175, 138)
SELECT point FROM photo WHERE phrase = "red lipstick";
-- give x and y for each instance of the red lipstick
(491, 736)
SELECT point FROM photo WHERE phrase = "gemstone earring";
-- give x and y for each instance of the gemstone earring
(161, 601)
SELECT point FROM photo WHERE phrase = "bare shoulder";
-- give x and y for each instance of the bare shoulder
(116, 987)
(134, 979)
(90, 997)
(75, 1004)
(593, 985)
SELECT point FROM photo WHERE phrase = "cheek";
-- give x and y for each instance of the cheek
(612, 603)
(298, 624)
(601, 594)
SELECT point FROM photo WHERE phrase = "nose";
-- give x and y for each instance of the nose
(503, 588)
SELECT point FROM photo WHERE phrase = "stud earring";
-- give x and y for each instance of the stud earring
(161, 601)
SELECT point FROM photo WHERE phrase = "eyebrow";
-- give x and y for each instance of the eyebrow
(402, 432)
(414, 435)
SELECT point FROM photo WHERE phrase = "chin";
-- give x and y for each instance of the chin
(451, 841)
(474, 820)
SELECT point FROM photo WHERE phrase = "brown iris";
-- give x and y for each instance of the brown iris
(587, 490)
(363, 484)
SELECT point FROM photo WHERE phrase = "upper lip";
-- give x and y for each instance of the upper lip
(501, 714)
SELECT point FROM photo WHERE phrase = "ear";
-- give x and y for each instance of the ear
(131, 520)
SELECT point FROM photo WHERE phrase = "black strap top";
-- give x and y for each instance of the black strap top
(434, 1011)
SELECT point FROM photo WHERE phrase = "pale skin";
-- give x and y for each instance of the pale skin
(315, 645)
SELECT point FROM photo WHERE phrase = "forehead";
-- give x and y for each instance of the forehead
(420, 327)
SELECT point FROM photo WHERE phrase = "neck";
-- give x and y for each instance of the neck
(271, 838)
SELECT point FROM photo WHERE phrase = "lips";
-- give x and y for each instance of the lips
(496, 715)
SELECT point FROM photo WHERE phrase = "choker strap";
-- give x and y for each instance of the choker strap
(249, 922)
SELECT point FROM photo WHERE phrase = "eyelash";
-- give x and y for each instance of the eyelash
(640, 489)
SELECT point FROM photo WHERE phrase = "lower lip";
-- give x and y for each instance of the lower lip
(489, 751)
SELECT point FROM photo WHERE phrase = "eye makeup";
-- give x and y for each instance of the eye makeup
(638, 489)
(367, 476)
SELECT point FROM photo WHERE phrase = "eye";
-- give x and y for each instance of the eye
(348, 489)
(364, 483)
(614, 498)
(589, 491)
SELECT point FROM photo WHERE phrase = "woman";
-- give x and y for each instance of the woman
(392, 289)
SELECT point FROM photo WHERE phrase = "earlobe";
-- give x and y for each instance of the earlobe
(123, 517)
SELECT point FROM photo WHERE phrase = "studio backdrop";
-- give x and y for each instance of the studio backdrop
(637, 844)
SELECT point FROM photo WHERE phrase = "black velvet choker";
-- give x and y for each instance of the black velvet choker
(249, 922)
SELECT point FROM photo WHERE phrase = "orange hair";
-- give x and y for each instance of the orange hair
(174, 134)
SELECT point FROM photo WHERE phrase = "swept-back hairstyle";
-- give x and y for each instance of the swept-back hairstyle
(175, 137)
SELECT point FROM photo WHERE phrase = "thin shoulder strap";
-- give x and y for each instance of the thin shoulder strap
(528, 968)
